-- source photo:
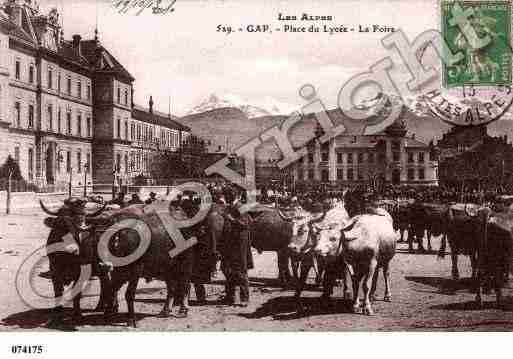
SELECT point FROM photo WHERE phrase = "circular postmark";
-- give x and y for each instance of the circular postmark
(470, 105)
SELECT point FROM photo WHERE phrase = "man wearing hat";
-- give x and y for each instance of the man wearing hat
(236, 253)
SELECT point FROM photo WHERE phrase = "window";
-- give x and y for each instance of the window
(68, 89)
(79, 162)
(17, 70)
(79, 125)
(119, 95)
(88, 92)
(325, 156)
(311, 174)
(17, 114)
(126, 130)
(360, 175)
(360, 157)
(68, 122)
(68, 161)
(17, 154)
(89, 163)
(118, 128)
(396, 146)
(59, 82)
(349, 158)
(126, 97)
(371, 157)
(126, 162)
(138, 132)
(310, 158)
(340, 174)
(50, 118)
(350, 174)
(88, 125)
(30, 116)
(325, 175)
(30, 163)
(79, 89)
(300, 175)
(422, 174)
(410, 157)
(59, 121)
(421, 157)
(432, 155)
(411, 174)
(340, 158)
(50, 78)
(300, 160)
(31, 74)
(118, 162)
(396, 156)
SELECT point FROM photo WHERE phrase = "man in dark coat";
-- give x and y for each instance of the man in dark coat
(236, 251)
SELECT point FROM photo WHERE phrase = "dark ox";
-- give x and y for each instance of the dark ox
(71, 218)
(429, 218)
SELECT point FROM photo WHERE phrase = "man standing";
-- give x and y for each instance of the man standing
(236, 253)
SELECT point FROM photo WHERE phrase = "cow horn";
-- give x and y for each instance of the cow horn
(283, 216)
(46, 210)
(98, 212)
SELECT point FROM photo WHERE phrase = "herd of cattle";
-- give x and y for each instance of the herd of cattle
(346, 236)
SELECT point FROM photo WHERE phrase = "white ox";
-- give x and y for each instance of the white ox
(367, 244)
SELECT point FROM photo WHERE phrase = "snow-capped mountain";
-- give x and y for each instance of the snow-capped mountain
(267, 107)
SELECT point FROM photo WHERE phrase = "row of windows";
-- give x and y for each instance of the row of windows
(135, 162)
(59, 126)
(352, 174)
(76, 90)
(143, 132)
(79, 165)
(359, 157)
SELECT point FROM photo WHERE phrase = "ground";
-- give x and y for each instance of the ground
(424, 297)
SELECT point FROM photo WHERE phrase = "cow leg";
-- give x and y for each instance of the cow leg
(57, 312)
(301, 281)
(201, 293)
(283, 268)
(454, 260)
(367, 308)
(386, 276)
(372, 294)
(104, 287)
(420, 242)
(356, 278)
(443, 246)
(77, 312)
(473, 265)
(411, 236)
(130, 298)
(345, 273)
(428, 234)
(166, 309)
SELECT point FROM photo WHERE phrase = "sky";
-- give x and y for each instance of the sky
(180, 56)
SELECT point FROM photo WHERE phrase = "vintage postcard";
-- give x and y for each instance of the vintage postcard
(250, 166)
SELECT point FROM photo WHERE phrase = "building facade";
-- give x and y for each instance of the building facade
(66, 107)
(387, 157)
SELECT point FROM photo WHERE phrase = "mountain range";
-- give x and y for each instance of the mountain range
(227, 123)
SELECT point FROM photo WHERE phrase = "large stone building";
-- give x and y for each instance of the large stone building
(471, 158)
(386, 157)
(66, 107)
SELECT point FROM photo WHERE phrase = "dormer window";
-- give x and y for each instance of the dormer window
(126, 97)
(79, 89)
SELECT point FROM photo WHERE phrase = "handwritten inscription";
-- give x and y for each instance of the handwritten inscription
(137, 7)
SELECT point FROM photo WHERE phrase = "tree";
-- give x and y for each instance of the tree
(10, 165)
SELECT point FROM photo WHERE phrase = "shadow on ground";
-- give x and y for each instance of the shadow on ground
(506, 305)
(287, 308)
(446, 286)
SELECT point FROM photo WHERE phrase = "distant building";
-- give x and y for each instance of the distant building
(386, 157)
(471, 158)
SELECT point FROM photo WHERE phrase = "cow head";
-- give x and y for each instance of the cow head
(328, 241)
(303, 228)
(70, 218)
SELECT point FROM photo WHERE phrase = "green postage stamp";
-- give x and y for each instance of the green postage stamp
(487, 56)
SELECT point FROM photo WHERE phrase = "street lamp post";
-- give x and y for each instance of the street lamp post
(86, 168)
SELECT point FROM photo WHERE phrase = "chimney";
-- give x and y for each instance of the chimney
(14, 11)
(77, 45)
(151, 104)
